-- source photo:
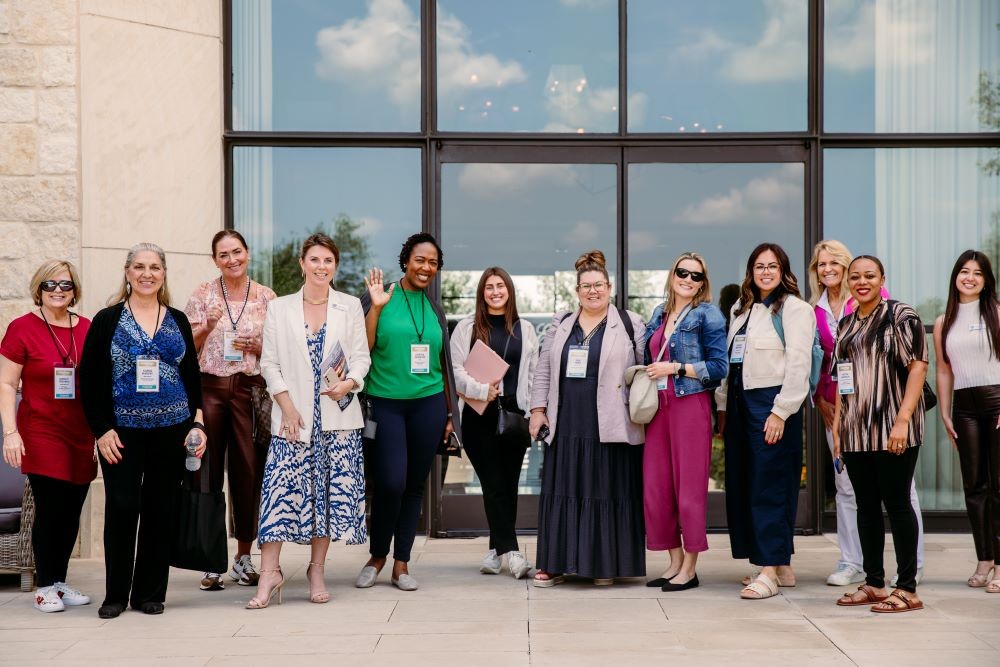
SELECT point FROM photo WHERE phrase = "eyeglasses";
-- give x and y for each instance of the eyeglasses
(696, 276)
(768, 268)
(51, 285)
(597, 287)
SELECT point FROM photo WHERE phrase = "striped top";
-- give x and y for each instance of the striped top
(972, 361)
(881, 347)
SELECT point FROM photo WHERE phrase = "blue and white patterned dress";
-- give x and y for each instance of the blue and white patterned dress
(316, 488)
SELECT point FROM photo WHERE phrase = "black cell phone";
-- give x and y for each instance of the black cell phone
(543, 433)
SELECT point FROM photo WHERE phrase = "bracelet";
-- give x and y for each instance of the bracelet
(199, 426)
(10, 432)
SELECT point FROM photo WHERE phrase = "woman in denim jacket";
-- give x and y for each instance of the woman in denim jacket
(686, 355)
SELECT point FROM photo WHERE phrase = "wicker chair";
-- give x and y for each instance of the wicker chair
(15, 547)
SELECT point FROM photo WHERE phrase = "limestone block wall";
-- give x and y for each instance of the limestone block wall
(39, 143)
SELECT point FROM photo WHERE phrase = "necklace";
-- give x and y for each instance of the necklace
(315, 303)
(225, 299)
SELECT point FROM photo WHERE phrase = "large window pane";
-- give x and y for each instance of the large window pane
(528, 66)
(281, 195)
(347, 66)
(911, 65)
(717, 65)
(917, 210)
(534, 220)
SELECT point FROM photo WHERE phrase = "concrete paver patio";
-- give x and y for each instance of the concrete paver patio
(459, 617)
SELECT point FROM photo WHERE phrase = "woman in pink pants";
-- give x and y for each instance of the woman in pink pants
(686, 356)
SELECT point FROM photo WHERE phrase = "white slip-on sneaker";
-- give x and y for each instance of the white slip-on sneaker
(47, 600)
(243, 571)
(845, 575)
(518, 564)
(70, 596)
(491, 563)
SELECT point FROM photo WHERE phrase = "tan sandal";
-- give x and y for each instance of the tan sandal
(870, 597)
(545, 579)
(980, 580)
(760, 588)
(890, 606)
(319, 597)
(993, 586)
(783, 582)
(262, 603)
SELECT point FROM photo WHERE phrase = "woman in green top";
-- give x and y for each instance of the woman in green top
(410, 389)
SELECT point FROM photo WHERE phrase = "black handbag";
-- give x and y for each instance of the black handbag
(930, 400)
(200, 531)
(511, 424)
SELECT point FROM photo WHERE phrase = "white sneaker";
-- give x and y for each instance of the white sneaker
(47, 600)
(918, 578)
(243, 571)
(212, 581)
(491, 563)
(518, 564)
(70, 596)
(845, 575)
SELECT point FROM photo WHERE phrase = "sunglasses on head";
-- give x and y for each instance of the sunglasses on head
(696, 276)
(51, 285)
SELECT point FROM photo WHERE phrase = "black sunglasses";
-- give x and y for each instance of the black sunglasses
(51, 285)
(696, 276)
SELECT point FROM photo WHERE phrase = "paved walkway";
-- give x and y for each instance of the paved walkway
(460, 617)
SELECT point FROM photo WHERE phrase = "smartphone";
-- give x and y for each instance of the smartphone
(838, 465)
(543, 433)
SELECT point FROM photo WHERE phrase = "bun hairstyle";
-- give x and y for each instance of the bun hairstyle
(592, 260)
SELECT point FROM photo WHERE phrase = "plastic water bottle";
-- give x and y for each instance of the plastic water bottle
(192, 462)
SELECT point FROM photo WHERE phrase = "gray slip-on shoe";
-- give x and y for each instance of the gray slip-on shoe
(405, 583)
(366, 578)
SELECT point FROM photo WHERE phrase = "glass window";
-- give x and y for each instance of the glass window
(281, 195)
(717, 65)
(917, 209)
(533, 220)
(911, 65)
(346, 66)
(528, 66)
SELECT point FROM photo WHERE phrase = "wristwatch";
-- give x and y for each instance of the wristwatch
(680, 370)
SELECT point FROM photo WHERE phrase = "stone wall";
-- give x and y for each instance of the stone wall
(39, 144)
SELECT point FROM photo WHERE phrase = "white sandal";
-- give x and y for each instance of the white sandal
(760, 588)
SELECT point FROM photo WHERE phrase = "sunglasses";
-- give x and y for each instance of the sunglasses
(696, 276)
(51, 285)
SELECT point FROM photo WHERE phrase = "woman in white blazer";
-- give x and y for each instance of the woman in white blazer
(315, 358)
(497, 458)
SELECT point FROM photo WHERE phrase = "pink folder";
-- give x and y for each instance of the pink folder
(486, 366)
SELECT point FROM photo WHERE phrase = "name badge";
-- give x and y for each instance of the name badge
(977, 327)
(661, 384)
(147, 374)
(64, 382)
(845, 377)
(229, 351)
(739, 349)
(576, 362)
(420, 358)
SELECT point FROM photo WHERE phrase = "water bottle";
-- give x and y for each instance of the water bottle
(192, 462)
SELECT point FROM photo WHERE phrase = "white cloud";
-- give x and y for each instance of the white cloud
(502, 180)
(368, 226)
(768, 200)
(860, 34)
(382, 51)
(584, 231)
(780, 53)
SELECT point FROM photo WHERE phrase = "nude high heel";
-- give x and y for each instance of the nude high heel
(320, 597)
(257, 603)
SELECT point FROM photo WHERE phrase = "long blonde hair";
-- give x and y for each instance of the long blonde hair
(841, 255)
(704, 294)
(163, 296)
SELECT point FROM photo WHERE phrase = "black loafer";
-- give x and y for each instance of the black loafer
(113, 610)
(687, 585)
(152, 607)
(658, 582)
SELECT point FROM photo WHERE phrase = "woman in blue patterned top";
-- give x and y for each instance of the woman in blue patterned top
(141, 392)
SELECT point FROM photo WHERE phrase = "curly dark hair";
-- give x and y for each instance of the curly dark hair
(412, 242)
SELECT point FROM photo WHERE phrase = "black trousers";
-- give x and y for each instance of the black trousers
(227, 404)
(975, 415)
(398, 462)
(877, 478)
(57, 522)
(141, 491)
(497, 461)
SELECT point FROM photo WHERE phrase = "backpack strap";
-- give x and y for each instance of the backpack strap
(779, 326)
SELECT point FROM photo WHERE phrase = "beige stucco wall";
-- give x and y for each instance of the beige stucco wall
(111, 120)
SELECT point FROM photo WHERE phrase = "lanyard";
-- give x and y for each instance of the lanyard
(423, 314)
(128, 302)
(225, 299)
(67, 358)
(586, 340)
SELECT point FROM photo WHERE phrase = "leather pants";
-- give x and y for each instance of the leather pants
(974, 415)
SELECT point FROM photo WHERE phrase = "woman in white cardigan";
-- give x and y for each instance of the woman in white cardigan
(497, 459)
(315, 358)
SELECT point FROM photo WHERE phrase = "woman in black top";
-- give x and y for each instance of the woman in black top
(496, 458)
(141, 391)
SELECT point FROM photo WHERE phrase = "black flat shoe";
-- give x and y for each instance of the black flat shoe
(111, 610)
(152, 607)
(658, 582)
(671, 586)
